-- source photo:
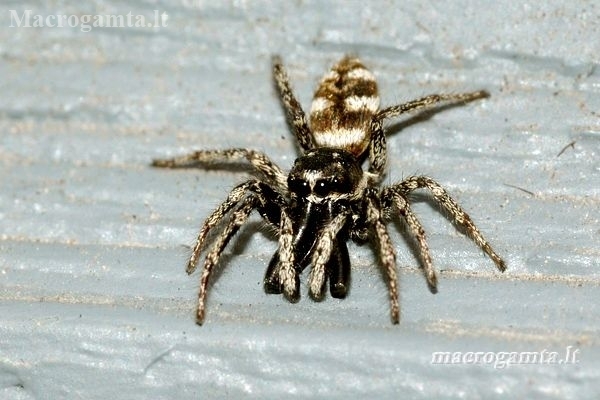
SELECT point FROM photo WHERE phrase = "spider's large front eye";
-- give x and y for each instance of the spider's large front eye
(298, 186)
(323, 187)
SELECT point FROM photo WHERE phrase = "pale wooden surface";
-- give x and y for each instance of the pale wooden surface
(94, 301)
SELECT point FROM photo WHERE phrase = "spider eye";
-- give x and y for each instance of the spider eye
(324, 187)
(298, 186)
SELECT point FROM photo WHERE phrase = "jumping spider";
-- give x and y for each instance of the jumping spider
(327, 198)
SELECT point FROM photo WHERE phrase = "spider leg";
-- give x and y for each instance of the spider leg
(270, 201)
(286, 273)
(321, 257)
(377, 151)
(428, 101)
(386, 254)
(238, 218)
(459, 216)
(402, 205)
(281, 275)
(257, 159)
(295, 114)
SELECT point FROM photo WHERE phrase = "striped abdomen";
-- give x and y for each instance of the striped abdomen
(343, 107)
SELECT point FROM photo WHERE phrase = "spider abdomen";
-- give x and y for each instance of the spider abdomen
(343, 107)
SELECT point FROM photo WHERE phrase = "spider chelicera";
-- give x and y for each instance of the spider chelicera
(326, 198)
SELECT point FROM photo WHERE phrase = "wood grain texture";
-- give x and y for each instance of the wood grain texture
(94, 300)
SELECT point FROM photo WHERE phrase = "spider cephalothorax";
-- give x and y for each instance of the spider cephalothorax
(322, 184)
(327, 199)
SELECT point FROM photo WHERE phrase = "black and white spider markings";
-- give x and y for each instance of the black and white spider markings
(327, 198)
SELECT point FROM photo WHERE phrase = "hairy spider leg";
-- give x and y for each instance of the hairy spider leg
(252, 195)
(448, 204)
(238, 218)
(387, 254)
(322, 255)
(295, 113)
(394, 199)
(377, 150)
(258, 160)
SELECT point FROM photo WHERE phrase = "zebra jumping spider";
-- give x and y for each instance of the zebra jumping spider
(327, 198)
